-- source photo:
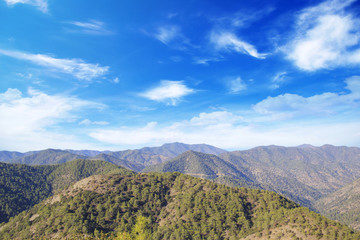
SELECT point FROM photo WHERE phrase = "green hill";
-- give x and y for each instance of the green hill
(342, 205)
(168, 206)
(23, 186)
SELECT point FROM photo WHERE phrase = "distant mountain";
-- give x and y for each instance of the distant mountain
(168, 206)
(5, 156)
(124, 163)
(138, 157)
(342, 205)
(304, 174)
(22, 186)
(88, 153)
(203, 165)
(45, 157)
(154, 155)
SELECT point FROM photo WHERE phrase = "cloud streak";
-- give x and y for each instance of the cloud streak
(93, 27)
(75, 67)
(228, 41)
(42, 5)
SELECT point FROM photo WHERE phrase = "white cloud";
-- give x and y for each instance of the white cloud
(281, 120)
(236, 85)
(30, 122)
(328, 103)
(94, 27)
(76, 67)
(168, 91)
(278, 79)
(116, 80)
(89, 122)
(42, 5)
(172, 36)
(206, 60)
(326, 37)
(230, 42)
(166, 34)
(229, 131)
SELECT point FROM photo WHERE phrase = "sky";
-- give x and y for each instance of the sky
(115, 75)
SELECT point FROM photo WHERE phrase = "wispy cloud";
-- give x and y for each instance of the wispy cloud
(42, 5)
(172, 36)
(242, 19)
(206, 60)
(89, 122)
(94, 27)
(167, 34)
(326, 37)
(230, 42)
(76, 67)
(30, 121)
(168, 91)
(278, 79)
(236, 85)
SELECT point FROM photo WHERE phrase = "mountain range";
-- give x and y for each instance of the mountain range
(133, 159)
(321, 178)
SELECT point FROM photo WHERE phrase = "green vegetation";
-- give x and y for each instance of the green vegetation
(22, 186)
(167, 206)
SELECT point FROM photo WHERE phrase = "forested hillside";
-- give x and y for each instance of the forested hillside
(343, 205)
(23, 186)
(168, 206)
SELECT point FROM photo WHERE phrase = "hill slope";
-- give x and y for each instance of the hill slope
(168, 206)
(304, 173)
(5, 156)
(203, 165)
(342, 205)
(22, 186)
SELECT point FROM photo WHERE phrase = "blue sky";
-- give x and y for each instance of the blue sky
(126, 74)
